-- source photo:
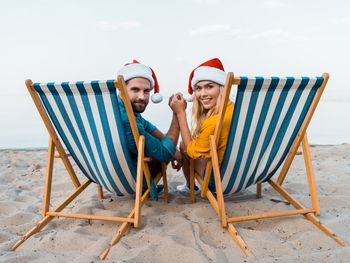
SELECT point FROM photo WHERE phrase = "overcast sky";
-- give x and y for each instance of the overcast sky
(85, 40)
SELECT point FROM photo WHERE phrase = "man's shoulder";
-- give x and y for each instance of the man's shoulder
(123, 112)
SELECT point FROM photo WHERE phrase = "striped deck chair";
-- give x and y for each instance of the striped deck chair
(268, 125)
(84, 119)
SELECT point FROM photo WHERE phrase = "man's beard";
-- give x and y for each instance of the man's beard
(137, 108)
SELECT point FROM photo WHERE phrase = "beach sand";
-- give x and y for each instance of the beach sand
(176, 231)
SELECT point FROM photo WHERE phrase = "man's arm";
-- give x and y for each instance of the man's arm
(173, 132)
(161, 150)
(158, 147)
(158, 134)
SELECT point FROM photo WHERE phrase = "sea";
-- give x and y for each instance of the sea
(22, 128)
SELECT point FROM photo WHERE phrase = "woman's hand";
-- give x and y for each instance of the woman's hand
(177, 103)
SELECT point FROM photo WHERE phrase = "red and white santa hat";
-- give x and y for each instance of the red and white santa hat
(212, 70)
(137, 70)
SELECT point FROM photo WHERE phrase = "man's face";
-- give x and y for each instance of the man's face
(138, 90)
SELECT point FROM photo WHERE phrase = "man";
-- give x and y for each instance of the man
(140, 81)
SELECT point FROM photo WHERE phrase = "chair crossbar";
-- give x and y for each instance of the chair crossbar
(270, 215)
(91, 217)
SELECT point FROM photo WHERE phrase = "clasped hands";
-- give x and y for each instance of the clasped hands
(177, 103)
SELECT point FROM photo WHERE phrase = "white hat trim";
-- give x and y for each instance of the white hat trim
(208, 73)
(136, 71)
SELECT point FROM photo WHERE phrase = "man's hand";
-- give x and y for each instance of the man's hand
(177, 103)
(177, 161)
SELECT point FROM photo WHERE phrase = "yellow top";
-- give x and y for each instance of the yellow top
(200, 147)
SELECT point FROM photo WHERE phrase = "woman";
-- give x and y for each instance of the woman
(207, 83)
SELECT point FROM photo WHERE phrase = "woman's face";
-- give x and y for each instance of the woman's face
(207, 93)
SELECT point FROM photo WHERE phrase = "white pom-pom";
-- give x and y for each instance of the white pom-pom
(156, 98)
(188, 97)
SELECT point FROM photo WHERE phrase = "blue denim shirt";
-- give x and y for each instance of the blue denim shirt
(161, 150)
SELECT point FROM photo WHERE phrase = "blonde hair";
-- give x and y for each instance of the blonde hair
(199, 114)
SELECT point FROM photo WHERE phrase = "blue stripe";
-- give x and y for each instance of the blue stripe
(273, 123)
(87, 106)
(271, 128)
(263, 114)
(70, 127)
(102, 114)
(37, 88)
(250, 114)
(109, 140)
(233, 129)
(300, 121)
(282, 130)
(236, 115)
(56, 123)
(76, 113)
(120, 125)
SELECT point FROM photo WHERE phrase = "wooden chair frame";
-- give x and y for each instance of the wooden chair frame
(218, 202)
(55, 144)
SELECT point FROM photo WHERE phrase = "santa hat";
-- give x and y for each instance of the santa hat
(212, 70)
(137, 70)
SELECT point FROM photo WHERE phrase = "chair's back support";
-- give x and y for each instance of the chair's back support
(87, 118)
(268, 115)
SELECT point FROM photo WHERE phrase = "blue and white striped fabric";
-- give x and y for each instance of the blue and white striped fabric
(267, 117)
(86, 116)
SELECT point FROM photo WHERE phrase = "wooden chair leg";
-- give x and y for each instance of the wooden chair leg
(237, 238)
(258, 190)
(48, 178)
(193, 198)
(139, 178)
(100, 192)
(310, 175)
(165, 182)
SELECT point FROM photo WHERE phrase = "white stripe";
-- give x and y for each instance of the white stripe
(91, 139)
(237, 137)
(274, 101)
(266, 124)
(252, 131)
(72, 118)
(286, 105)
(91, 98)
(115, 137)
(63, 125)
(273, 104)
(88, 131)
(242, 116)
(101, 137)
(293, 122)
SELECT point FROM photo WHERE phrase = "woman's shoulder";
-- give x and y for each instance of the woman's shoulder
(210, 122)
(230, 107)
(213, 119)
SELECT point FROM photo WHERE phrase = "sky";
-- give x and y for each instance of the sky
(87, 40)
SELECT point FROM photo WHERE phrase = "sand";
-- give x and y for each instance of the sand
(176, 231)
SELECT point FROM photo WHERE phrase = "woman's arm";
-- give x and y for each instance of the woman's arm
(184, 129)
(178, 105)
